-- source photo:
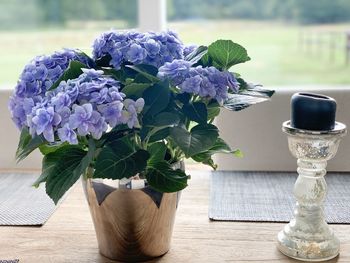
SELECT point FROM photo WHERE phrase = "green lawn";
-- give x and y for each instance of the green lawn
(276, 57)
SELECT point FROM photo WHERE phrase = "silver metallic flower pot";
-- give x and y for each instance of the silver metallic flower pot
(131, 224)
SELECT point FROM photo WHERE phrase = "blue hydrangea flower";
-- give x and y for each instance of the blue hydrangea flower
(82, 118)
(136, 54)
(138, 48)
(205, 82)
(177, 71)
(67, 134)
(152, 47)
(43, 122)
(132, 108)
(87, 105)
(36, 78)
(191, 85)
(112, 112)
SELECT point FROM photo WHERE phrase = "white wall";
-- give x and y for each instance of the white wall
(257, 132)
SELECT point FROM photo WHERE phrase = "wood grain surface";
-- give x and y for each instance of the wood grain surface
(69, 236)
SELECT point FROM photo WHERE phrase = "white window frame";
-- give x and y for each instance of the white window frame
(152, 15)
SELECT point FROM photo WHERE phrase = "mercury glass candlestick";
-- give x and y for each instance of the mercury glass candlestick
(313, 138)
(308, 237)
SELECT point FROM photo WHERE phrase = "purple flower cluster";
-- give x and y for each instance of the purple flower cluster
(92, 102)
(36, 78)
(87, 105)
(202, 81)
(138, 48)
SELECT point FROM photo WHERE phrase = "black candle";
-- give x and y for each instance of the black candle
(313, 112)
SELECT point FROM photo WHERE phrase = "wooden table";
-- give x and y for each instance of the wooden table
(69, 235)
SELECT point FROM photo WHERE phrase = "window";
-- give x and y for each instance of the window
(42, 26)
(290, 42)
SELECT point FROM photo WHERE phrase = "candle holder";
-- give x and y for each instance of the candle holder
(308, 237)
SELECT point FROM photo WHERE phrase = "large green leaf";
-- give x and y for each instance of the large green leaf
(62, 168)
(213, 109)
(201, 138)
(27, 144)
(135, 90)
(206, 61)
(49, 164)
(156, 98)
(52, 147)
(225, 54)
(163, 178)
(123, 74)
(48, 167)
(163, 119)
(120, 159)
(159, 135)
(157, 151)
(147, 71)
(196, 111)
(183, 97)
(73, 71)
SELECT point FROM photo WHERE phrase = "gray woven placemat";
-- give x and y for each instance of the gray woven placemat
(20, 203)
(268, 197)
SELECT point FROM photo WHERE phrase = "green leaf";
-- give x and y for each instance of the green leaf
(48, 167)
(213, 109)
(73, 71)
(207, 160)
(201, 138)
(248, 95)
(226, 53)
(196, 111)
(197, 54)
(238, 153)
(157, 151)
(27, 144)
(256, 91)
(159, 135)
(237, 102)
(49, 148)
(206, 61)
(89, 157)
(147, 71)
(104, 61)
(220, 146)
(62, 168)
(50, 163)
(156, 98)
(123, 74)
(120, 159)
(184, 97)
(163, 178)
(165, 119)
(135, 89)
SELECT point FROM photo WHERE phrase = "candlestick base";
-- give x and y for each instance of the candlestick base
(295, 243)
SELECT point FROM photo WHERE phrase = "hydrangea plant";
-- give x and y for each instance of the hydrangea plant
(140, 104)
